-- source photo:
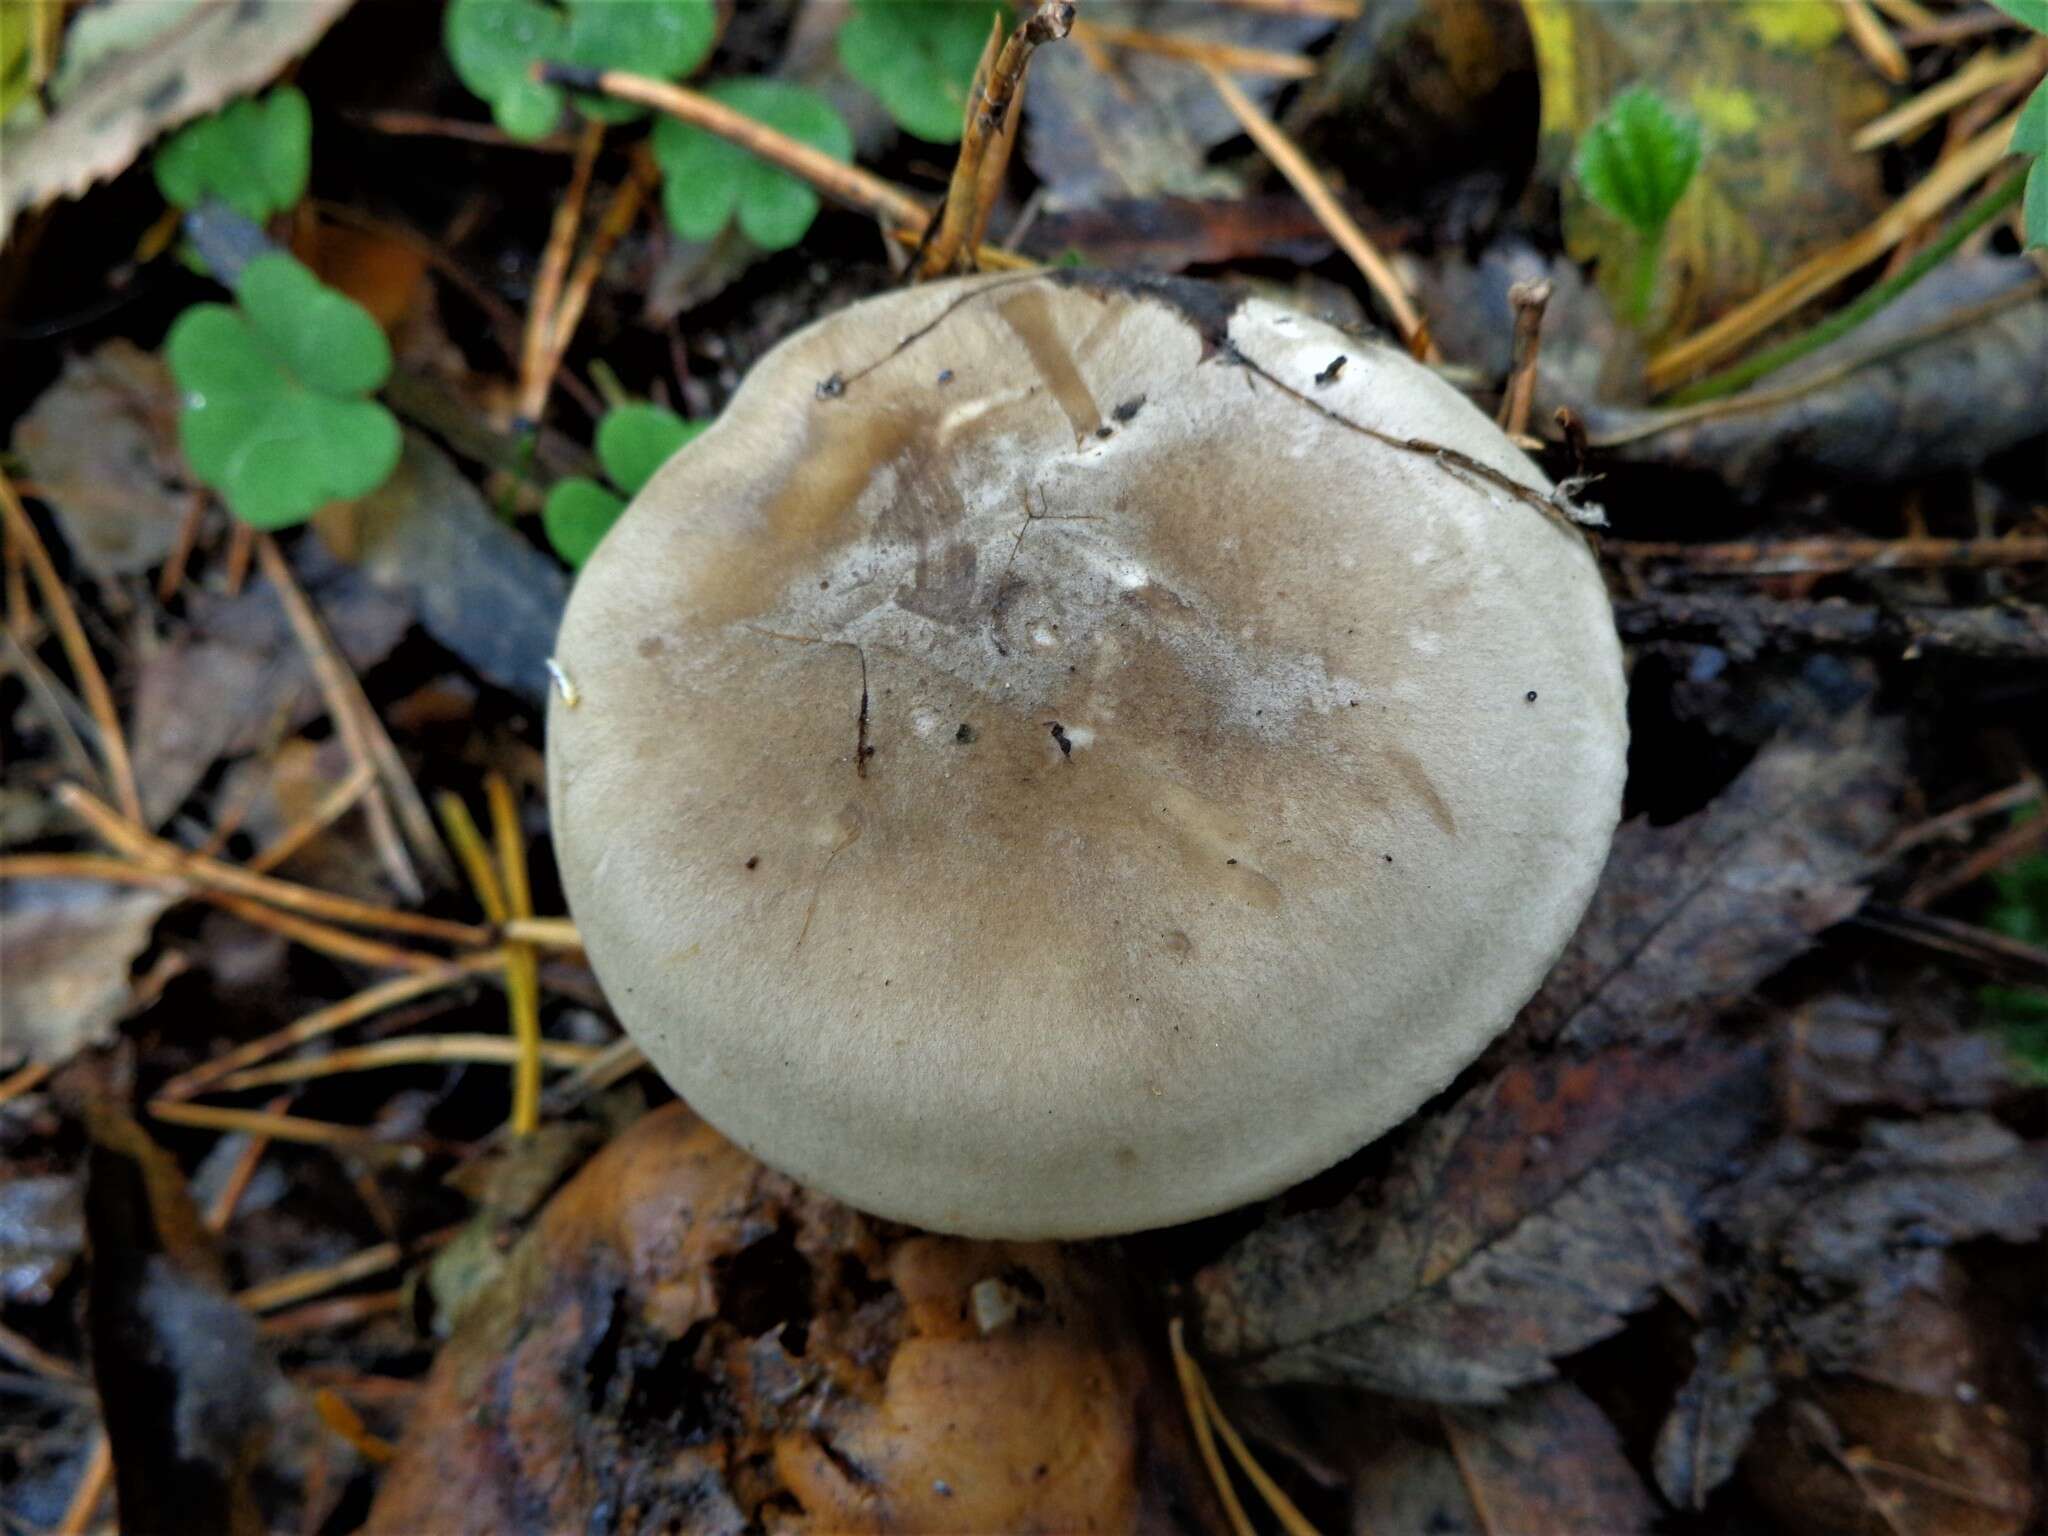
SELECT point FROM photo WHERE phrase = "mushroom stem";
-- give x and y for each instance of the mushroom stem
(986, 140)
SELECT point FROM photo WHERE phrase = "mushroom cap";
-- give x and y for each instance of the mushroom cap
(1061, 756)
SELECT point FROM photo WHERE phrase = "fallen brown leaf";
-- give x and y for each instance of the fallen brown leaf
(1552, 1197)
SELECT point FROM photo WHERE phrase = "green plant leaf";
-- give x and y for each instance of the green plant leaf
(2034, 211)
(252, 155)
(2030, 133)
(2028, 13)
(1638, 159)
(273, 414)
(919, 57)
(494, 44)
(577, 515)
(636, 439)
(322, 337)
(663, 38)
(707, 183)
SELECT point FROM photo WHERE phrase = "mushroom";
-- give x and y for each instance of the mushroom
(1062, 756)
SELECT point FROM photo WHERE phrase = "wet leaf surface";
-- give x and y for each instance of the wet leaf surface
(66, 949)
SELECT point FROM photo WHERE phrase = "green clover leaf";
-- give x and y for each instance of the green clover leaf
(2028, 13)
(274, 411)
(2030, 137)
(707, 182)
(633, 441)
(252, 155)
(494, 44)
(919, 57)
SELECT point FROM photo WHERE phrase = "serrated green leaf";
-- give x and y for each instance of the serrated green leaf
(2028, 13)
(707, 182)
(324, 338)
(272, 415)
(918, 56)
(2034, 211)
(253, 155)
(1638, 159)
(636, 439)
(2030, 133)
(493, 43)
(577, 515)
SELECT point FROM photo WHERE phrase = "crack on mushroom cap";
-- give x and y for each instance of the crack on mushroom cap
(1268, 626)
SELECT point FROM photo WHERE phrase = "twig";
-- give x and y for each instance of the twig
(544, 932)
(522, 968)
(848, 184)
(24, 1079)
(1750, 626)
(1992, 952)
(1907, 13)
(292, 1128)
(154, 851)
(620, 211)
(1874, 42)
(332, 806)
(338, 1312)
(325, 1021)
(1789, 557)
(1656, 423)
(1291, 1519)
(1528, 298)
(58, 704)
(534, 373)
(92, 1489)
(1981, 74)
(348, 1424)
(1934, 192)
(2014, 843)
(30, 1356)
(1959, 27)
(305, 1284)
(1205, 1440)
(1954, 822)
(356, 722)
(474, 855)
(92, 682)
(1197, 50)
(325, 938)
(1986, 208)
(413, 1051)
(984, 130)
(241, 547)
(172, 576)
(427, 126)
(1329, 10)
(222, 1210)
(1343, 229)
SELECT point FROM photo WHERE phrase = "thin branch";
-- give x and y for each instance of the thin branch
(1197, 50)
(522, 967)
(620, 210)
(332, 806)
(847, 184)
(1985, 72)
(154, 851)
(534, 374)
(335, 1016)
(987, 118)
(1749, 626)
(1788, 557)
(1815, 276)
(1294, 165)
(356, 722)
(1192, 1396)
(1528, 299)
(92, 682)
(411, 1051)
(1874, 41)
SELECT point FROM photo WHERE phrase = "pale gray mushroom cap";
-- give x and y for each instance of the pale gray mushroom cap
(1340, 745)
